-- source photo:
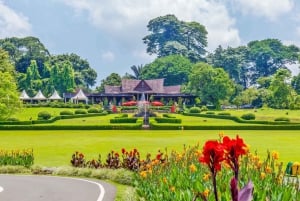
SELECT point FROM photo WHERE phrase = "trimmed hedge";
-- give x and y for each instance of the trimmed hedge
(224, 113)
(66, 112)
(237, 119)
(210, 112)
(283, 119)
(122, 116)
(168, 116)
(80, 112)
(12, 119)
(83, 115)
(248, 116)
(168, 120)
(15, 122)
(123, 120)
(94, 110)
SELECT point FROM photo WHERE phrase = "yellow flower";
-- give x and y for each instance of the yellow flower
(275, 155)
(262, 175)
(206, 193)
(206, 177)
(221, 135)
(172, 188)
(193, 168)
(143, 174)
(165, 180)
(268, 169)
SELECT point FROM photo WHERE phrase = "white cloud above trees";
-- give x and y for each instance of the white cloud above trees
(127, 20)
(12, 23)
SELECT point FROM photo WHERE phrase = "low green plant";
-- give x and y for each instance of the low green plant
(248, 116)
(284, 119)
(16, 157)
(66, 112)
(44, 115)
(194, 110)
(80, 112)
(224, 113)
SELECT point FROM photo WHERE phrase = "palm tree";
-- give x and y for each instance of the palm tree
(137, 72)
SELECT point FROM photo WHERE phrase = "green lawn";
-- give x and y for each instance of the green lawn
(54, 148)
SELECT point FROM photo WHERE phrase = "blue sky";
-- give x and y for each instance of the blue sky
(109, 33)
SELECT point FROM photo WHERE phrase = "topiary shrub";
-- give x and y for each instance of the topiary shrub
(12, 119)
(44, 115)
(80, 112)
(285, 119)
(248, 116)
(204, 108)
(93, 110)
(66, 112)
(195, 110)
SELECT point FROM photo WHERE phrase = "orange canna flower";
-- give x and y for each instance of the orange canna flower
(275, 155)
(262, 175)
(193, 168)
(143, 174)
(206, 193)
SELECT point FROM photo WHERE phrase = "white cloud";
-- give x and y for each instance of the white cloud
(126, 21)
(108, 56)
(12, 23)
(270, 9)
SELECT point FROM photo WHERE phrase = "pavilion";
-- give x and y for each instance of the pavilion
(134, 89)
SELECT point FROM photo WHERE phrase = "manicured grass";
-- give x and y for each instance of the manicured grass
(54, 148)
(26, 113)
(268, 114)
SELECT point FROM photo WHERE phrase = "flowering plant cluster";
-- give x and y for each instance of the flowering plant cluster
(17, 157)
(216, 172)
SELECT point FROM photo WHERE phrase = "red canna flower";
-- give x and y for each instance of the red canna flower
(123, 150)
(212, 155)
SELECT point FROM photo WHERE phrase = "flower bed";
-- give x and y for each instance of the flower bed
(16, 157)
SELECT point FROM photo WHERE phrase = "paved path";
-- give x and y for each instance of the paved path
(50, 188)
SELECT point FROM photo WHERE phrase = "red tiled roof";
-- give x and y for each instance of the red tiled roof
(172, 89)
(112, 89)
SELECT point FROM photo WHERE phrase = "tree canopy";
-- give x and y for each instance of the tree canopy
(171, 36)
(174, 68)
(9, 96)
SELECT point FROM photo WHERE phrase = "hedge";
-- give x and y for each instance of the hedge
(15, 122)
(82, 115)
(80, 112)
(123, 120)
(66, 112)
(167, 120)
(239, 120)
(168, 116)
(73, 127)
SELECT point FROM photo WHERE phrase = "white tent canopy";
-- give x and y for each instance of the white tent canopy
(55, 96)
(79, 96)
(24, 95)
(39, 96)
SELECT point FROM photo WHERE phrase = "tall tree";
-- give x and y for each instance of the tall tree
(172, 36)
(212, 85)
(9, 96)
(174, 68)
(33, 81)
(234, 62)
(113, 79)
(269, 55)
(282, 92)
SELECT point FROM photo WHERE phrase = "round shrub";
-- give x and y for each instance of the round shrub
(224, 113)
(80, 112)
(204, 108)
(248, 116)
(66, 112)
(93, 110)
(285, 119)
(44, 115)
(12, 119)
(195, 110)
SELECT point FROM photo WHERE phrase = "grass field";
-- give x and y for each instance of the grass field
(54, 148)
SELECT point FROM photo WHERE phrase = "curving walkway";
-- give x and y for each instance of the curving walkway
(51, 188)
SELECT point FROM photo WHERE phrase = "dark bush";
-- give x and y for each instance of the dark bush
(224, 113)
(44, 115)
(93, 110)
(66, 112)
(210, 112)
(195, 110)
(248, 116)
(168, 120)
(285, 119)
(123, 120)
(80, 112)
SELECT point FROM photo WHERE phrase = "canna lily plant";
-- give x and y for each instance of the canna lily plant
(229, 151)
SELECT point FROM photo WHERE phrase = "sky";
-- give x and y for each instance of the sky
(108, 33)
